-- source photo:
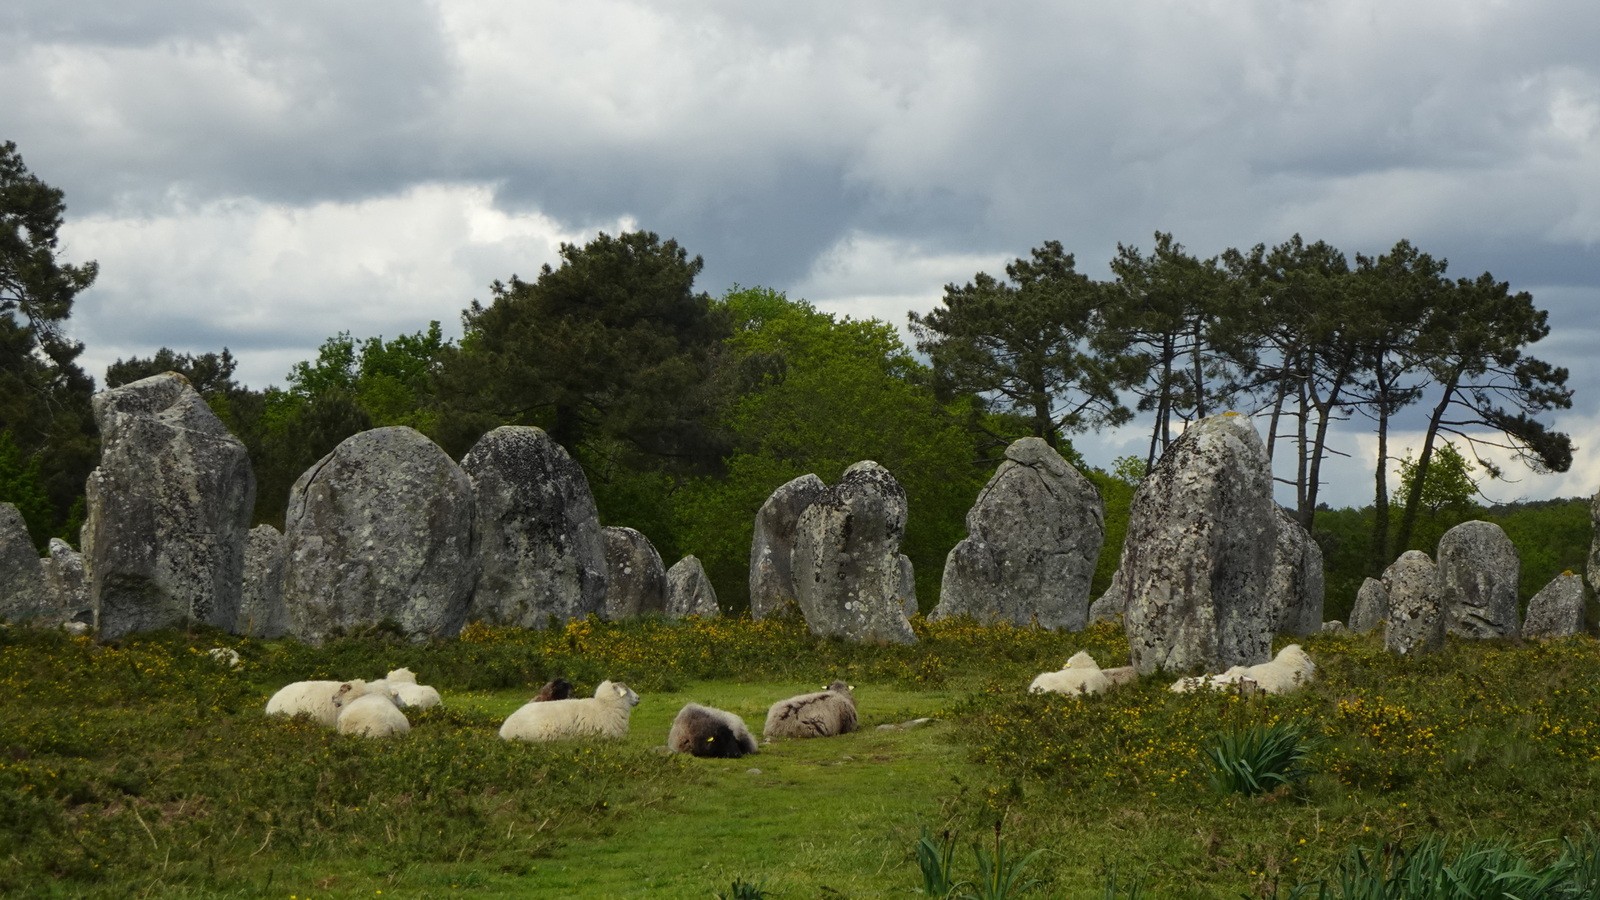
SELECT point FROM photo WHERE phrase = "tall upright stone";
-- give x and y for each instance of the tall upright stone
(772, 547)
(1296, 587)
(1033, 539)
(1557, 610)
(1372, 606)
(908, 586)
(1198, 554)
(66, 584)
(846, 561)
(262, 612)
(23, 592)
(1416, 613)
(689, 591)
(168, 510)
(1479, 571)
(1112, 603)
(540, 547)
(1592, 568)
(380, 531)
(636, 578)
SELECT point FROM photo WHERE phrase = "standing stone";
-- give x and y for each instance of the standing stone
(1592, 570)
(23, 593)
(540, 548)
(636, 579)
(908, 586)
(1557, 610)
(772, 547)
(380, 530)
(1033, 539)
(1416, 615)
(1112, 603)
(1479, 571)
(846, 560)
(689, 591)
(168, 511)
(1198, 555)
(1296, 587)
(66, 585)
(1372, 606)
(262, 613)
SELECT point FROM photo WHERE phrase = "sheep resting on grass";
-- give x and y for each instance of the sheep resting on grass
(317, 698)
(1081, 675)
(372, 715)
(409, 694)
(1288, 671)
(603, 715)
(705, 731)
(822, 714)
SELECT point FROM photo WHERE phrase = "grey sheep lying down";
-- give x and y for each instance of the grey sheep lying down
(709, 732)
(822, 714)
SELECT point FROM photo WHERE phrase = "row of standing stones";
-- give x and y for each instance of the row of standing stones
(388, 528)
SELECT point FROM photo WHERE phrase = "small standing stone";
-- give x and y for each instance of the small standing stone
(1416, 615)
(689, 591)
(636, 579)
(1557, 610)
(772, 586)
(1372, 606)
(23, 594)
(262, 612)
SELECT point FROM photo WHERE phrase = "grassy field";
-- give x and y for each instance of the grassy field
(144, 768)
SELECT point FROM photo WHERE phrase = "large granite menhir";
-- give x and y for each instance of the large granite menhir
(541, 552)
(1416, 610)
(380, 531)
(1033, 539)
(1198, 555)
(772, 587)
(168, 511)
(1479, 570)
(846, 562)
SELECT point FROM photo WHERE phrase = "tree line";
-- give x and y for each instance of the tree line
(687, 410)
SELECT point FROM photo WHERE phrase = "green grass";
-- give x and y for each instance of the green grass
(144, 769)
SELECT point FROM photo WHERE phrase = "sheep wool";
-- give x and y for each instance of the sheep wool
(823, 714)
(1290, 670)
(554, 689)
(1081, 675)
(410, 695)
(603, 715)
(316, 698)
(371, 715)
(709, 732)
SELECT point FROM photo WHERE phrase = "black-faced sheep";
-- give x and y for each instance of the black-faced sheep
(372, 715)
(316, 698)
(1081, 675)
(409, 694)
(554, 689)
(705, 731)
(822, 714)
(603, 715)
(1290, 670)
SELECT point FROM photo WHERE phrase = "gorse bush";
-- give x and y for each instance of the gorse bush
(1256, 759)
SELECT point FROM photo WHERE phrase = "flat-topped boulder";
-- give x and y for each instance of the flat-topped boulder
(1197, 559)
(380, 531)
(541, 552)
(168, 511)
(1033, 539)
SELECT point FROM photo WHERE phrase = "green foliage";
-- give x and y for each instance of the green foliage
(742, 890)
(998, 876)
(1449, 483)
(936, 860)
(1258, 758)
(22, 485)
(1429, 870)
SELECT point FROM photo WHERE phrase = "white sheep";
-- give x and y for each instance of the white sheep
(316, 698)
(225, 656)
(1288, 671)
(372, 714)
(706, 731)
(408, 693)
(603, 715)
(822, 714)
(1081, 675)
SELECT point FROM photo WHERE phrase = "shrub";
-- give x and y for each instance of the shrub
(1256, 759)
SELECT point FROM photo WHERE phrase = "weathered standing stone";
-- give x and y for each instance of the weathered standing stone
(908, 586)
(1112, 603)
(1033, 539)
(1416, 615)
(1296, 587)
(262, 613)
(168, 510)
(1592, 569)
(689, 591)
(846, 560)
(1372, 606)
(772, 546)
(1557, 610)
(1479, 572)
(636, 579)
(540, 548)
(1198, 553)
(380, 530)
(66, 584)
(23, 593)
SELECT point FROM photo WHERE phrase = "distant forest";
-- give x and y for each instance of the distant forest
(687, 410)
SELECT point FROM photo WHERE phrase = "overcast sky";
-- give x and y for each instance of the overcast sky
(264, 175)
